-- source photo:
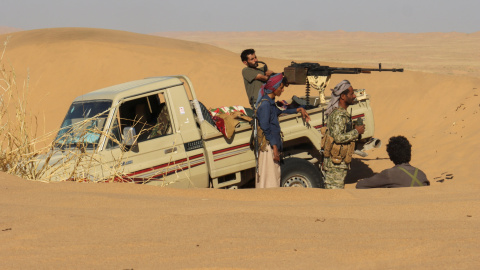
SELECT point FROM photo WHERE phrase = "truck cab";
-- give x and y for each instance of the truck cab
(167, 146)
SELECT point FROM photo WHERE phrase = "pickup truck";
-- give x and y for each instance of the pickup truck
(154, 131)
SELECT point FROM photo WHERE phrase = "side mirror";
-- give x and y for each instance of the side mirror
(129, 135)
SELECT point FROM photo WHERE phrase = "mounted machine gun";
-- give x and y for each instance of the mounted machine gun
(317, 76)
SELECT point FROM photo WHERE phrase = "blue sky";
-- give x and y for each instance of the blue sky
(149, 16)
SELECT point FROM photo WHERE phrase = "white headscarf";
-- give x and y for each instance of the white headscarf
(336, 92)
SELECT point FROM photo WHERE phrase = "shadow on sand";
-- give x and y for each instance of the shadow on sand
(359, 170)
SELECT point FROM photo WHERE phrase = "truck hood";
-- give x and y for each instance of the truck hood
(60, 165)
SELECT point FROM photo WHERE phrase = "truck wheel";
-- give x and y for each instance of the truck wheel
(297, 172)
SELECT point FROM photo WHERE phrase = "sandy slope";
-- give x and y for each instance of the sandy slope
(128, 226)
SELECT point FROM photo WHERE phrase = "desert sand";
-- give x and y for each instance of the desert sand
(435, 103)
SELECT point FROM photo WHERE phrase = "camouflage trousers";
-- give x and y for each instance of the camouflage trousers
(335, 178)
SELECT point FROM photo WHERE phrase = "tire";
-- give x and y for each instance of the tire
(298, 172)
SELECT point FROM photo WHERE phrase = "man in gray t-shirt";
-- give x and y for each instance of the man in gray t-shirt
(402, 174)
(253, 76)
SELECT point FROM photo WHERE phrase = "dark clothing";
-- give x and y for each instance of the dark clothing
(252, 86)
(396, 177)
(267, 114)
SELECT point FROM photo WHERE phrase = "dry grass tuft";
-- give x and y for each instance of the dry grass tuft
(17, 130)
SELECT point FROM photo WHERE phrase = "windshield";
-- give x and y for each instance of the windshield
(83, 125)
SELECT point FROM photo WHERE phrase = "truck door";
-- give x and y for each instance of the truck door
(158, 157)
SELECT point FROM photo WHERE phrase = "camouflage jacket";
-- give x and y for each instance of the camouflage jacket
(163, 126)
(340, 127)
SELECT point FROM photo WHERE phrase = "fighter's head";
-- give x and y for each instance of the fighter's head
(249, 58)
(347, 94)
(399, 150)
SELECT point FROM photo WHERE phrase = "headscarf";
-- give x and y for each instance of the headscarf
(271, 85)
(336, 92)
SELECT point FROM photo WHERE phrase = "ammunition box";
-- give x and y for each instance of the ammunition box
(295, 75)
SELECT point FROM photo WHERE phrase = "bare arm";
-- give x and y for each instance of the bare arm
(261, 77)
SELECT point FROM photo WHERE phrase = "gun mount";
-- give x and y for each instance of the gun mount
(318, 77)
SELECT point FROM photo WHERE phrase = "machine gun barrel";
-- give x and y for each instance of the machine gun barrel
(334, 70)
(368, 70)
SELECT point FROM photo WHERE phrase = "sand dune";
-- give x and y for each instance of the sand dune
(419, 52)
(69, 225)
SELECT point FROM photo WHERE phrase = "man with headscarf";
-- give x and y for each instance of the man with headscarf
(269, 137)
(253, 76)
(341, 133)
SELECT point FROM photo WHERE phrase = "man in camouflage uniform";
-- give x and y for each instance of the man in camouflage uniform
(163, 124)
(340, 128)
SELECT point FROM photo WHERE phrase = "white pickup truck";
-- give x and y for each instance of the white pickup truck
(154, 131)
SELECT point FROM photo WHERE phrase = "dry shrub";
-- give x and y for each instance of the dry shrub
(17, 130)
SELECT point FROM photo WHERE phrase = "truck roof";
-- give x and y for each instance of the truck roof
(132, 88)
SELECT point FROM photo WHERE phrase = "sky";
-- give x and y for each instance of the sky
(150, 16)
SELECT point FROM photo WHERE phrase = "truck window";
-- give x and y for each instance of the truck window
(148, 115)
(114, 137)
(83, 124)
(163, 124)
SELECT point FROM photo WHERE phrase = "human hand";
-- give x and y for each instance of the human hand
(276, 154)
(268, 73)
(360, 129)
(304, 114)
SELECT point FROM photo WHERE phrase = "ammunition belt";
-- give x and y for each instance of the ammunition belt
(337, 152)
